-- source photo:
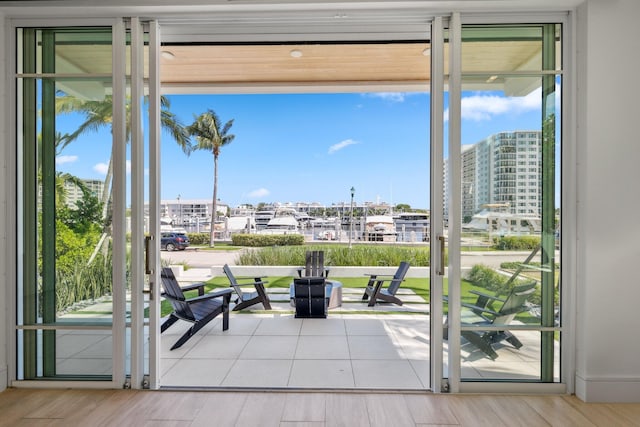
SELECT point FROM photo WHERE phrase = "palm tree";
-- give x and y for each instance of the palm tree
(210, 137)
(99, 115)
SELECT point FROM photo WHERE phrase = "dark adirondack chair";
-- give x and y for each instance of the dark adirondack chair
(247, 299)
(310, 297)
(483, 312)
(199, 310)
(375, 292)
(314, 265)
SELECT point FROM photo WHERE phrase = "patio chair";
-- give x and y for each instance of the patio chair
(374, 292)
(247, 299)
(198, 310)
(314, 265)
(310, 297)
(483, 312)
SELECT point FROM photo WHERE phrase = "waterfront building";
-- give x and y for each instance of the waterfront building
(503, 169)
(73, 193)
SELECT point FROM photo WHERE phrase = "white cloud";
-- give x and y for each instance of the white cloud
(390, 96)
(101, 168)
(60, 160)
(342, 144)
(260, 192)
(486, 107)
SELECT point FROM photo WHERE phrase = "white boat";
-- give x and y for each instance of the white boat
(262, 218)
(283, 222)
(240, 224)
(504, 223)
(412, 227)
(379, 228)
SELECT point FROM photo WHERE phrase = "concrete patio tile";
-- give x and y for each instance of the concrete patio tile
(239, 324)
(329, 326)
(322, 347)
(366, 326)
(197, 372)
(422, 369)
(259, 373)
(279, 326)
(219, 347)
(385, 374)
(270, 347)
(321, 374)
(374, 347)
(75, 366)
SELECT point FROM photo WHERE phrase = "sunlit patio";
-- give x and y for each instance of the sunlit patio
(356, 347)
(344, 351)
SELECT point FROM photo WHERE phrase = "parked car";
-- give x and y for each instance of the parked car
(172, 241)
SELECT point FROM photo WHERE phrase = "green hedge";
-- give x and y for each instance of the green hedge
(506, 243)
(259, 240)
(199, 238)
(488, 278)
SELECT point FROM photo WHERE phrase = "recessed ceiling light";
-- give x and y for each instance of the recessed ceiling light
(295, 53)
(492, 79)
(167, 54)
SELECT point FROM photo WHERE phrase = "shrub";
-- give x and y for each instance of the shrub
(83, 283)
(199, 238)
(515, 242)
(259, 240)
(488, 278)
(360, 255)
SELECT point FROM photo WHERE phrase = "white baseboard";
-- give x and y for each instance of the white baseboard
(618, 390)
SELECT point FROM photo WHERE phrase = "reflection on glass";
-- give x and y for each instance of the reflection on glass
(505, 48)
(509, 199)
(66, 278)
(87, 353)
(77, 221)
(513, 363)
(83, 51)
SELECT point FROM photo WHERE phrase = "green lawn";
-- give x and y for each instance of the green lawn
(418, 285)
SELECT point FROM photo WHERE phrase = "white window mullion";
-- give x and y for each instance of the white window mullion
(455, 201)
(119, 202)
(154, 204)
(137, 206)
(437, 120)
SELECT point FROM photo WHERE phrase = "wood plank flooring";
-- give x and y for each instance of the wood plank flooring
(73, 407)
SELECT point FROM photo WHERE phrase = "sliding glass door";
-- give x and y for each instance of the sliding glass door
(501, 192)
(71, 240)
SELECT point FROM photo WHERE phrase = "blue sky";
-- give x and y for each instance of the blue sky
(312, 147)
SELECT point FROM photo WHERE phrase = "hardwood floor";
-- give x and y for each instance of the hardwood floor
(74, 407)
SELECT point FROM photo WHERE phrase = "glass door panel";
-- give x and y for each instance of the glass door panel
(509, 197)
(67, 288)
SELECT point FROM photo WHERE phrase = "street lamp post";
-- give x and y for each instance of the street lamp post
(180, 210)
(353, 192)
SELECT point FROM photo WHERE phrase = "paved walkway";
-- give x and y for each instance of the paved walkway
(197, 258)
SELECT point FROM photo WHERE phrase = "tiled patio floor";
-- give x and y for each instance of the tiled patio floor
(355, 347)
(273, 350)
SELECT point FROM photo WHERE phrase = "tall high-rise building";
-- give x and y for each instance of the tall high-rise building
(73, 193)
(504, 170)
